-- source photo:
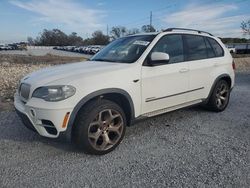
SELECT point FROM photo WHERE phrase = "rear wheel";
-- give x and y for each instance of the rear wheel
(220, 97)
(99, 127)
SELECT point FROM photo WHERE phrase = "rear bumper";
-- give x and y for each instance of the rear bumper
(46, 122)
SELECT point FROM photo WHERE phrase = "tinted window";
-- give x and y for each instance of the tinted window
(195, 47)
(210, 50)
(171, 44)
(217, 48)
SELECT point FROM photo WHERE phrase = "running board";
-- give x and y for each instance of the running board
(164, 110)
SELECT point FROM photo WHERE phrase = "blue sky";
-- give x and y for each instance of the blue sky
(22, 18)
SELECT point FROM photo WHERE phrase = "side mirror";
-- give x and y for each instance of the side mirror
(159, 58)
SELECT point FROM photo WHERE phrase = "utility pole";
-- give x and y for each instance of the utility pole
(151, 16)
(107, 30)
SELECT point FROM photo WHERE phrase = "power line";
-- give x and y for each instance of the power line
(136, 22)
(161, 11)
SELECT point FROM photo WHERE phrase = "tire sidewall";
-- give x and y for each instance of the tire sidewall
(213, 97)
(86, 116)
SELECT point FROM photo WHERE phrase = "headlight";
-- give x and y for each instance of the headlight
(54, 93)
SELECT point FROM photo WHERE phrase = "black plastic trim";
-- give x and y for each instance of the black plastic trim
(26, 121)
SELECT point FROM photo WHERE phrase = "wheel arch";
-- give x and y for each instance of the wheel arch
(119, 96)
(225, 77)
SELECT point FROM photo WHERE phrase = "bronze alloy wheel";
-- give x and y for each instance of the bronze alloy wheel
(105, 130)
(222, 95)
(99, 127)
(219, 98)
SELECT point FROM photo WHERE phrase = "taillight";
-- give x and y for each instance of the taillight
(234, 66)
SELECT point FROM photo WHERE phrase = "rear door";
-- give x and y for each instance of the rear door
(203, 54)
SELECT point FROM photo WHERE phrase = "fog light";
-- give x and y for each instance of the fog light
(32, 112)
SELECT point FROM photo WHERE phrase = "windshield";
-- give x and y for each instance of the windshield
(124, 50)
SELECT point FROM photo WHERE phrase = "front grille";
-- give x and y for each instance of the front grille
(24, 91)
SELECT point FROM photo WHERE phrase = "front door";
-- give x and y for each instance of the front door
(167, 84)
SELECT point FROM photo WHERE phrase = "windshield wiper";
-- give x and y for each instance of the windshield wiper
(107, 60)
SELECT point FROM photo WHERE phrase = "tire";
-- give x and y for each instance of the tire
(99, 127)
(219, 98)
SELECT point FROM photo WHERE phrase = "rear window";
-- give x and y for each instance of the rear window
(217, 48)
(210, 50)
(195, 47)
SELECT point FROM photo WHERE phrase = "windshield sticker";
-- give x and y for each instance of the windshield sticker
(140, 42)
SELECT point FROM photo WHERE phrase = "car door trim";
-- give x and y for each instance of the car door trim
(159, 98)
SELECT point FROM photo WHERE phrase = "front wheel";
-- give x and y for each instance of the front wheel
(219, 99)
(99, 127)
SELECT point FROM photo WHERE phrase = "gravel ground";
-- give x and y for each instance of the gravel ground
(185, 148)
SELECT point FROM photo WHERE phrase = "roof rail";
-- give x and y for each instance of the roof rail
(171, 29)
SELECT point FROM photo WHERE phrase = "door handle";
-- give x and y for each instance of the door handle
(183, 70)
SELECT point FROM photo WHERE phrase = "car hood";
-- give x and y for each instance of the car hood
(70, 72)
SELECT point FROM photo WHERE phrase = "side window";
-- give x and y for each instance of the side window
(217, 48)
(195, 47)
(210, 50)
(171, 44)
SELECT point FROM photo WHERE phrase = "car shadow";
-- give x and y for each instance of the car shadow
(14, 130)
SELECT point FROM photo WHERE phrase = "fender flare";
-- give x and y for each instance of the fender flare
(214, 83)
(87, 98)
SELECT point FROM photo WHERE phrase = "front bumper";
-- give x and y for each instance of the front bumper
(47, 122)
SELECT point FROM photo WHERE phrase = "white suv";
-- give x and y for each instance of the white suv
(144, 75)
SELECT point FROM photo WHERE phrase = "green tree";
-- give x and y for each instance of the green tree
(148, 28)
(75, 40)
(99, 38)
(56, 37)
(118, 31)
(234, 40)
(30, 41)
(133, 31)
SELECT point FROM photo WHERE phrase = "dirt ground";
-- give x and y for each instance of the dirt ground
(14, 67)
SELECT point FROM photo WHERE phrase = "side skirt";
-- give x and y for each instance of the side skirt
(164, 110)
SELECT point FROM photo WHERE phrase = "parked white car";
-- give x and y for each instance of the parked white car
(5, 47)
(2, 47)
(92, 102)
(231, 49)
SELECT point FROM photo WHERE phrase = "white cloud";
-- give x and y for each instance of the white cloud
(71, 16)
(209, 18)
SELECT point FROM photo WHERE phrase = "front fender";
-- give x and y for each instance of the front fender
(87, 98)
